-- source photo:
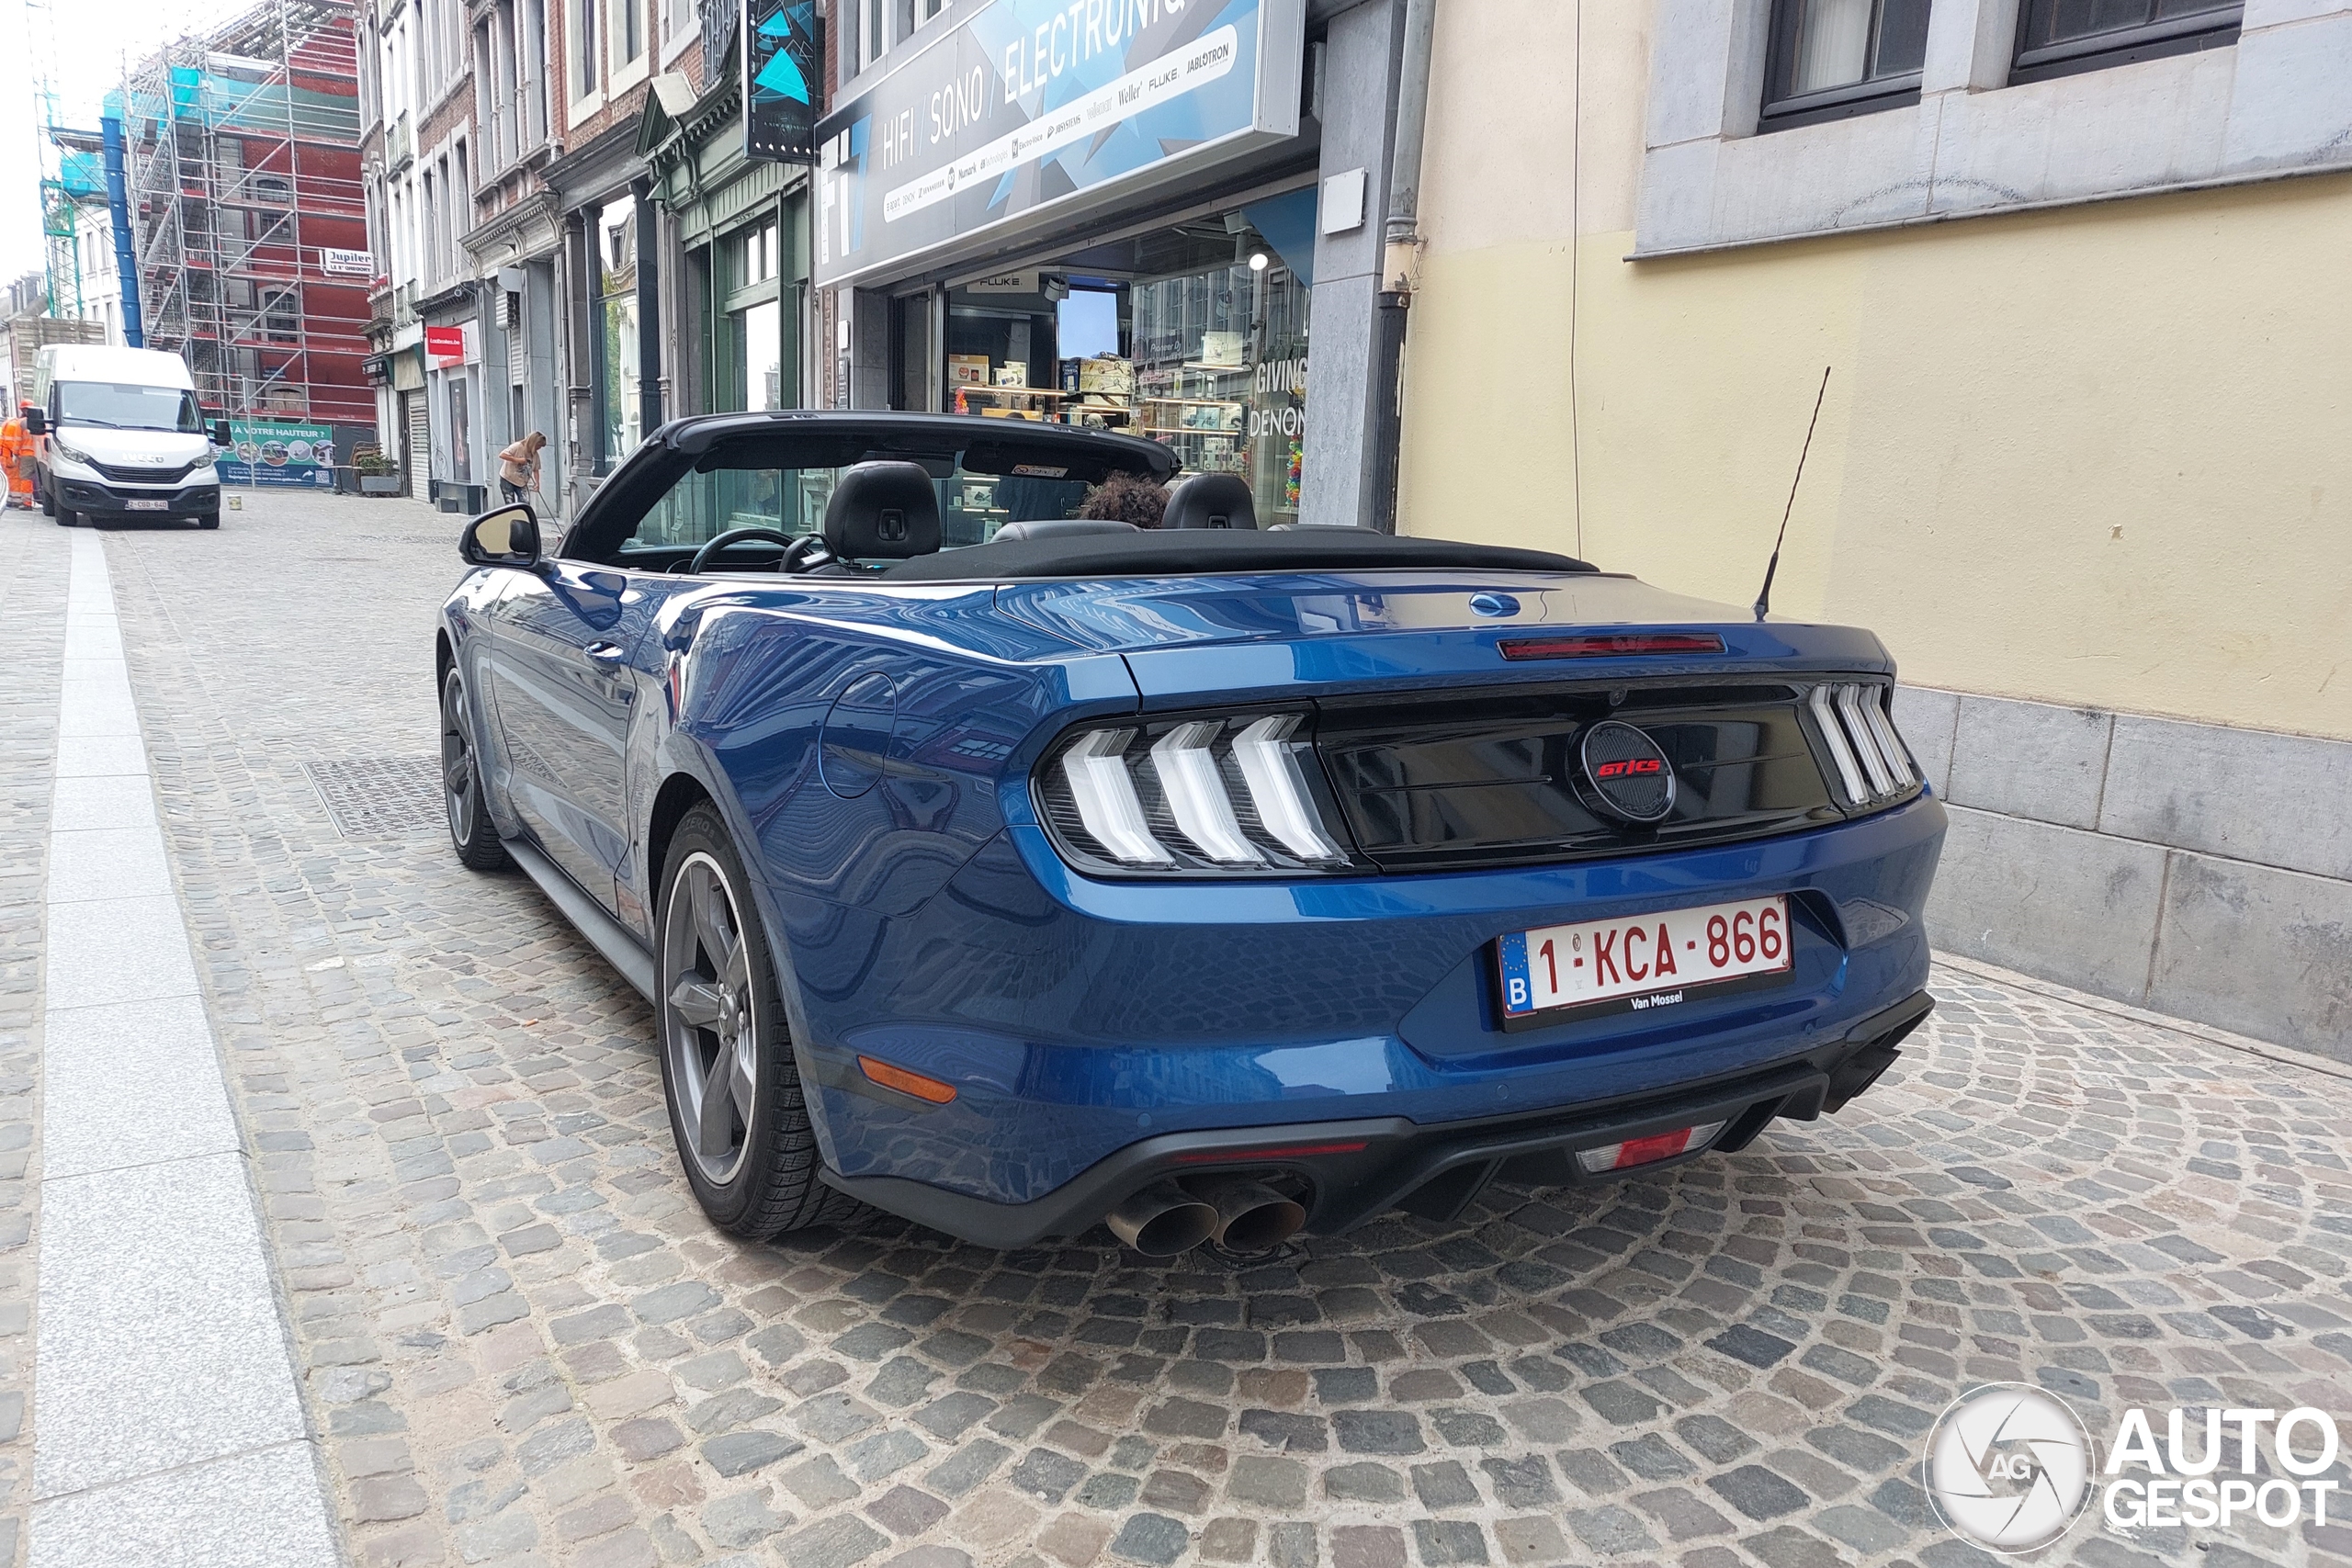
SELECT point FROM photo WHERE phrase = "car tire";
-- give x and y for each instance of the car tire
(207, 520)
(462, 797)
(48, 497)
(751, 1155)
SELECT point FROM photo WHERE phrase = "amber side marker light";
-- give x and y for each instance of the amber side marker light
(906, 1082)
(1610, 646)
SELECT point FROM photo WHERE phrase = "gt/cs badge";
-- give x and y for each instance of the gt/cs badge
(1628, 772)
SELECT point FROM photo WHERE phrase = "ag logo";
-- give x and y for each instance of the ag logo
(2009, 1468)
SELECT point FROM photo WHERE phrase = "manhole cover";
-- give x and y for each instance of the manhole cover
(380, 797)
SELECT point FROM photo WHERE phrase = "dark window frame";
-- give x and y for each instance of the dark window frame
(2214, 29)
(1784, 111)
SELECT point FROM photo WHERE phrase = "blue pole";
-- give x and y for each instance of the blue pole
(125, 259)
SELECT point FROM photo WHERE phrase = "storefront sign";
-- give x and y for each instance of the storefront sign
(1044, 107)
(782, 55)
(347, 263)
(445, 347)
(275, 453)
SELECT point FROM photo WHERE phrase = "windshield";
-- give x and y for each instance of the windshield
(972, 507)
(125, 405)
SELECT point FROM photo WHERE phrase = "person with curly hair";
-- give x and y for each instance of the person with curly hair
(1126, 497)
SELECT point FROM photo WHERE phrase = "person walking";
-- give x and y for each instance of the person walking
(17, 459)
(518, 466)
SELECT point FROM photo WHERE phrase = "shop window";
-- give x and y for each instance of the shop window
(2058, 37)
(1834, 57)
(1194, 335)
(622, 424)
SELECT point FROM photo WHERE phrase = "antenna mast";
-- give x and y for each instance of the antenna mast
(1764, 595)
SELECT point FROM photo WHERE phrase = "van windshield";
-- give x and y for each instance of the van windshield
(125, 405)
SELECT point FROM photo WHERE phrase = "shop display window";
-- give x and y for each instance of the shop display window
(623, 411)
(972, 507)
(1194, 336)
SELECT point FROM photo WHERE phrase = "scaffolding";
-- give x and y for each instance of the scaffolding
(248, 212)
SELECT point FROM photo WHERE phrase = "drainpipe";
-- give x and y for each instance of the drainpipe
(1400, 261)
(126, 260)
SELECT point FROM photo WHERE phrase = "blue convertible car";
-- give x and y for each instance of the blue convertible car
(1016, 873)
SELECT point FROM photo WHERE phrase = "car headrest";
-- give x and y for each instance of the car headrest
(883, 511)
(1211, 501)
(1061, 528)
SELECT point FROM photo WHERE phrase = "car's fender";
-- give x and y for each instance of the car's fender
(844, 823)
(465, 627)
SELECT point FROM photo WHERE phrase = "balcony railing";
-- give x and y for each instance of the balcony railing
(398, 146)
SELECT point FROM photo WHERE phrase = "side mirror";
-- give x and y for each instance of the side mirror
(36, 422)
(221, 437)
(508, 536)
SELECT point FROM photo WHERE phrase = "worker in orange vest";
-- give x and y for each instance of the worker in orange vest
(17, 458)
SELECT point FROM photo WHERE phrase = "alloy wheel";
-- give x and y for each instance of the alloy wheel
(457, 791)
(710, 1026)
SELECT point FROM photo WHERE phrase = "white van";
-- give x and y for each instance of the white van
(118, 434)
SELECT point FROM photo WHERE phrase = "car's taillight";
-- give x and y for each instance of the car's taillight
(1867, 755)
(1647, 1151)
(1237, 795)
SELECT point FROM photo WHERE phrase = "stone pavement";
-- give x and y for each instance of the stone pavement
(519, 1344)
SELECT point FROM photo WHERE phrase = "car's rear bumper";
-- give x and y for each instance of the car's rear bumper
(1355, 1169)
(1080, 1020)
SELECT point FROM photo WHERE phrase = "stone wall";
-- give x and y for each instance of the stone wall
(2195, 869)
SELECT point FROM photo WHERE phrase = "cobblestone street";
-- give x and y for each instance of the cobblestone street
(518, 1342)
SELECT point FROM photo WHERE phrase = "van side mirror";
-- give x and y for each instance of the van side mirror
(506, 536)
(221, 435)
(36, 422)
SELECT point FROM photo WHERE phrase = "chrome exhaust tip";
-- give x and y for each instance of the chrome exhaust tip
(1251, 1215)
(1162, 1221)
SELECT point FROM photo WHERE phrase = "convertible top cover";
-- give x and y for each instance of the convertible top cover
(1190, 551)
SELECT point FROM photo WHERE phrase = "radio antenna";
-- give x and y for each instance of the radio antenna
(1764, 595)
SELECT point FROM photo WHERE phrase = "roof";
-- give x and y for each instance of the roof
(99, 362)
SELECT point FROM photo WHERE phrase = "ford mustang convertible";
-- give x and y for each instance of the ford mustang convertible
(1017, 873)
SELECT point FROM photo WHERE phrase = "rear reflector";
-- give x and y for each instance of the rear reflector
(1649, 1150)
(1611, 646)
(906, 1082)
(1291, 1151)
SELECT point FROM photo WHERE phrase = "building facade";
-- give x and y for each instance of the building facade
(1135, 214)
(247, 216)
(2079, 462)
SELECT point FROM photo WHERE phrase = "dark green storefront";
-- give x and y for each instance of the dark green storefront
(741, 232)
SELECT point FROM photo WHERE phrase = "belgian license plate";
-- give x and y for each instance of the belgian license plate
(1642, 960)
(148, 505)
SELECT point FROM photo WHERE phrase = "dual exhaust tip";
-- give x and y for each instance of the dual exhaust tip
(1240, 1212)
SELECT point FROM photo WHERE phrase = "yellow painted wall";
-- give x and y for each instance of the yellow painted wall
(2101, 456)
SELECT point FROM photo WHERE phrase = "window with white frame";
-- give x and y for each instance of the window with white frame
(1833, 58)
(2058, 37)
(627, 31)
(679, 17)
(584, 57)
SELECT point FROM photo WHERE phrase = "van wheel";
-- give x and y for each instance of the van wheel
(48, 496)
(207, 520)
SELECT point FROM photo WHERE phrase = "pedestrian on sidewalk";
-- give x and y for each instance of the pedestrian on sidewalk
(518, 466)
(17, 459)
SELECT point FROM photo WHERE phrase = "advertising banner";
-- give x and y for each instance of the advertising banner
(445, 347)
(782, 55)
(274, 453)
(1034, 110)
